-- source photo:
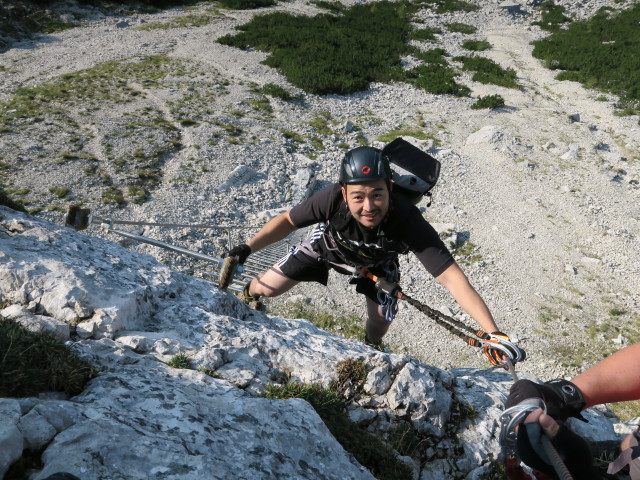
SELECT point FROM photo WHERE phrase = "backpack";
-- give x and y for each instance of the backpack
(415, 172)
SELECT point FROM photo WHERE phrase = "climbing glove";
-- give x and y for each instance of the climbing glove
(574, 452)
(562, 398)
(240, 251)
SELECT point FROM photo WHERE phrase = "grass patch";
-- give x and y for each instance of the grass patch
(180, 361)
(349, 326)
(192, 20)
(490, 101)
(59, 192)
(106, 82)
(458, 27)
(276, 91)
(600, 53)
(476, 45)
(626, 410)
(406, 132)
(136, 194)
(488, 72)
(466, 252)
(113, 195)
(367, 448)
(32, 363)
(7, 201)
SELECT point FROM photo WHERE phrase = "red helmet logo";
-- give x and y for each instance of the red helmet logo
(366, 170)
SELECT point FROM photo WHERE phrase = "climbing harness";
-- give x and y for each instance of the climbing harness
(491, 344)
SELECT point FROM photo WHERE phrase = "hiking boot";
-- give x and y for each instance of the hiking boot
(376, 345)
(252, 300)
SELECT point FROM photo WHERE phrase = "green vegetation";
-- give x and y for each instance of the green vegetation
(600, 53)
(339, 52)
(180, 361)
(553, 17)
(465, 253)
(347, 326)
(448, 6)
(367, 448)
(331, 53)
(106, 82)
(461, 28)
(424, 34)
(490, 101)
(489, 72)
(136, 194)
(42, 21)
(6, 201)
(246, 4)
(409, 132)
(192, 20)
(59, 192)
(276, 91)
(32, 363)
(476, 45)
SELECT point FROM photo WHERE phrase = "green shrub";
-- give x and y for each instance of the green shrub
(6, 201)
(436, 79)
(461, 28)
(476, 45)
(246, 4)
(449, 6)
(368, 449)
(601, 53)
(331, 53)
(490, 101)
(553, 17)
(32, 363)
(424, 34)
(489, 72)
(180, 361)
(276, 91)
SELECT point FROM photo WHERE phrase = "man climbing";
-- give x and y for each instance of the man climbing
(361, 222)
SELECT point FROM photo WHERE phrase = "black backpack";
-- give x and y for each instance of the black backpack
(415, 172)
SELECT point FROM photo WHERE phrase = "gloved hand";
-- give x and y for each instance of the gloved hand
(572, 448)
(503, 345)
(242, 252)
(562, 398)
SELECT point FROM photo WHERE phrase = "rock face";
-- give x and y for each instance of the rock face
(140, 418)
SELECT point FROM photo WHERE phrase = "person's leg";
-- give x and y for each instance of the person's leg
(270, 283)
(377, 326)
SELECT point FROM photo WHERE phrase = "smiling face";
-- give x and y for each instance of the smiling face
(368, 202)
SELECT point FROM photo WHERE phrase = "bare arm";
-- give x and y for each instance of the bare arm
(274, 230)
(454, 279)
(614, 379)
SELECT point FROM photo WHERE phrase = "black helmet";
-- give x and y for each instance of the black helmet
(364, 164)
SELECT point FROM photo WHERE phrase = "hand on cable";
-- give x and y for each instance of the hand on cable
(498, 345)
(573, 450)
(562, 398)
(241, 252)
